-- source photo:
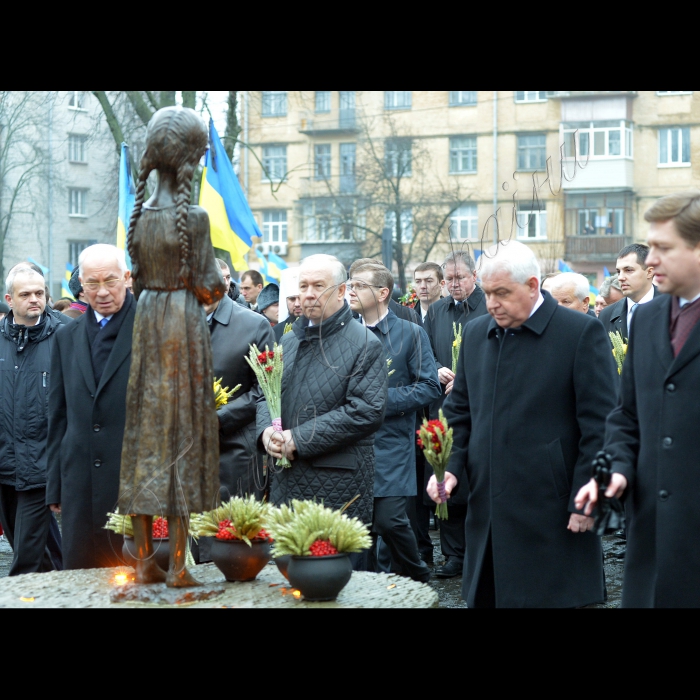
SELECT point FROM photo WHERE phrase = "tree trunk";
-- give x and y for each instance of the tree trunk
(189, 99)
(232, 126)
(167, 98)
(111, 117)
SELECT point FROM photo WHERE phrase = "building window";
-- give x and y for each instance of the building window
(458, 99)
(406, 221)
(674, 146)
(326, 220)
(674, 92)
(274, 104)
(76, 148)
(399, 99)
(346, 116)
(322, 161)
(601, 222)
(532, 151)
(76, 100)
(464, 223)
(347, 167)
(323, 101)
(604, 139)
(274, 227)
(76, 202)
(274, 162)
(75, 248)
(397, 156)
(532, 225)
(531, 96)
(463, 154)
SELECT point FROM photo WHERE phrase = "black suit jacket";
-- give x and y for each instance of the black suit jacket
(652, 437)
(86, 430)
(614, 317)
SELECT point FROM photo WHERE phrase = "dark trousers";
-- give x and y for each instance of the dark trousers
(392, 525)
(26, 520)
(419, 512)
(452, 537)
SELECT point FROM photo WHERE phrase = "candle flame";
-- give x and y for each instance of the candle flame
(120, 578)
(27, 600)
(393, 585)
(296, 594)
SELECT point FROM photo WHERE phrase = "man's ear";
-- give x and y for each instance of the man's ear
(650, 272)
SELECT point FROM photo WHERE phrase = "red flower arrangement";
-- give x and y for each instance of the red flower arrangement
(435, 439)
(160, 528)
(227, 531)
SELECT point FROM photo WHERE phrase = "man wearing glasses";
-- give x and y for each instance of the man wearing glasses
(87, 410)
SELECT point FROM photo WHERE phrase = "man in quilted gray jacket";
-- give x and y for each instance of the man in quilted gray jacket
(334, 394)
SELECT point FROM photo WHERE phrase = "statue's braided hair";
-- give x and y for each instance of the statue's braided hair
(176, 138)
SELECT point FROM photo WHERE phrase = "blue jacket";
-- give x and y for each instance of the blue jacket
(413, 384)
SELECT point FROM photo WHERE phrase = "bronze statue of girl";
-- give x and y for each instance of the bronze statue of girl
(170, 453)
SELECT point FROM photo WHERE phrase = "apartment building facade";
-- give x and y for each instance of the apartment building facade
(568, 173)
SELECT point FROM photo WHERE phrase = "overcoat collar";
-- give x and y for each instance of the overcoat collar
(224, 311)
(662, 339)
(325, 328)
(122, 344)
(387, 323)
(537, 322)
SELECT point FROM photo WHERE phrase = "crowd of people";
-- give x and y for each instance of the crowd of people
(532, 397)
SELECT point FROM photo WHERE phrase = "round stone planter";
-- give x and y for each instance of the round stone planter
(320, 578)
(238, 561)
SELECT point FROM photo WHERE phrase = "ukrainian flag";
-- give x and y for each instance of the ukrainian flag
(275, 265)
(264, 270)
(127, 192)
(65, 289)
(230, 219)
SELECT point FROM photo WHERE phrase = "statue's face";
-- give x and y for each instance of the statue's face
(104, 284)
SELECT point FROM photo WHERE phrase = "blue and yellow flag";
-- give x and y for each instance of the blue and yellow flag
(230, 219)
(65, 289)
(127, 192)
(264, 270)
(275, 265)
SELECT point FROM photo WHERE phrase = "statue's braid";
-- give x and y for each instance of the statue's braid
(184, 186)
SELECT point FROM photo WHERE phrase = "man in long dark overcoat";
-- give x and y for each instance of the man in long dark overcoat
(652, 434)
(528, 410)
(87, 410)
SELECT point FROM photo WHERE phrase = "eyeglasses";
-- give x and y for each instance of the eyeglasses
(95, 286)
(361, 286)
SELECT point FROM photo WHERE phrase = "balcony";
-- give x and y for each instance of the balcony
(564, 94)
(607, 173)
(337, 121)
(595, 249)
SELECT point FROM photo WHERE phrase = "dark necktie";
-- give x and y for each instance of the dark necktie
(683, 321)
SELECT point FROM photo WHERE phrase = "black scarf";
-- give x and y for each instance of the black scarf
(102, 339)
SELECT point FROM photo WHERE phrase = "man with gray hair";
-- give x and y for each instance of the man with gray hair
(334, 395)
(87, 410)
(572, 290)
(27, 337)
(528, 410)
(611, 290)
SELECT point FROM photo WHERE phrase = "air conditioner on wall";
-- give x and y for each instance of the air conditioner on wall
(276, 248)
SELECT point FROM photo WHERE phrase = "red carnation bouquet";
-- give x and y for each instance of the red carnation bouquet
(435, 439)
(268, 369)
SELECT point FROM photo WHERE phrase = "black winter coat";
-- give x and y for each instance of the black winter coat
(652, 436)
(86, 430)
(528, 410)
(25, 370)
(234, 329)
(334, 395)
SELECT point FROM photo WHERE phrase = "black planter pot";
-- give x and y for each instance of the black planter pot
(283, 564)
(161, 550)
(237, 561)
(320, 578)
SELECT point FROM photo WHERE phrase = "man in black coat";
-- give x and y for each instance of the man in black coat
(334, 395)
(528, 410)
(87, 411)
(26, 340)
(652, 433)
(635, 278)
(465, 303)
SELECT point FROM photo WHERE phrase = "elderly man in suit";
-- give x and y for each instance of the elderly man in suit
(87, 410)
(652, 434)
(528, 410)
(635, 277)
(572, 290)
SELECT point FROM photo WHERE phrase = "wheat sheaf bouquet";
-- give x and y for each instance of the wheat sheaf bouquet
(307, 529)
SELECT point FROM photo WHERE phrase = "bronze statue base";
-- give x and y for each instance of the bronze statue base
(160, 594)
